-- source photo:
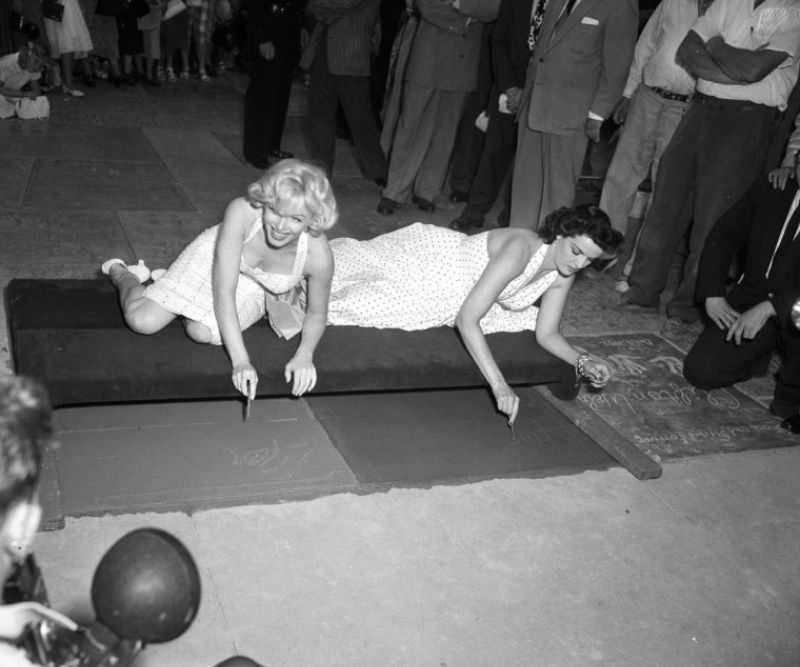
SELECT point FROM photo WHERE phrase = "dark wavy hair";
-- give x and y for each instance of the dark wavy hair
(25, 430)
(580, 220)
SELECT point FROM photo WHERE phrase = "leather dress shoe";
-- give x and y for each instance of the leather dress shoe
(792, 423)
(424, 204)
(459, 196)
(278, 154)
(386, 206)
(783, 409)
(465, 224)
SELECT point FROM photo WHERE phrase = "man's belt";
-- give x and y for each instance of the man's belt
(668, 95)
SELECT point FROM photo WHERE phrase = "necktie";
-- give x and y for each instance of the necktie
(786, 241)
(537, 16)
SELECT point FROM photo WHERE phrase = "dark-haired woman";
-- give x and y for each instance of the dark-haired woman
(425, 276)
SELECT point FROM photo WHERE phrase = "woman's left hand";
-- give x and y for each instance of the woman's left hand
(596, 373)
(304, 374)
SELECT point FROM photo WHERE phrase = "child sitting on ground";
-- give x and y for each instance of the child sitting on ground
(20, 89)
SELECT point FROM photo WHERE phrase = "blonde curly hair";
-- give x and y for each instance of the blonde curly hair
(293, 180)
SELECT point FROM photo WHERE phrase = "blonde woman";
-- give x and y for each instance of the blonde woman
(233, 274)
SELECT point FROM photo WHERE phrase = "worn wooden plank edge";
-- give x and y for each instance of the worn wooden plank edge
(626, 453)
(50, 491)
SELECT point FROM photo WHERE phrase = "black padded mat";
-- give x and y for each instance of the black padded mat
(450, 436)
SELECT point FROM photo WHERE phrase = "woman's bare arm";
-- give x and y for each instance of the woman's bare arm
(225, 276)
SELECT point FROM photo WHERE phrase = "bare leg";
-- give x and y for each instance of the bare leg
(141, 314)
(198, 332)
(66, 76)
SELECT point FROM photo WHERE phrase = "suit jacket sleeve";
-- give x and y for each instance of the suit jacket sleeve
(619, 41)
(502, 34)
(726, 239)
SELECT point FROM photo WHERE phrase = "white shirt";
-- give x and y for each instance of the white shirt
(12, 75)
(774, 25)
(654, 58)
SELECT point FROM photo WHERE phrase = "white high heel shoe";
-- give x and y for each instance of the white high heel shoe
(139, 270)
(71, 91)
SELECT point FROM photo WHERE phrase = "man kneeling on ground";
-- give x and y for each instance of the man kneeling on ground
(752, 319)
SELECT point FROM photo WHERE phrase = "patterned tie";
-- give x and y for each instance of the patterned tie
(537, 16)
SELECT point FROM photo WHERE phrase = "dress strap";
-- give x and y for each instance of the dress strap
(254, 228)
(302, 253)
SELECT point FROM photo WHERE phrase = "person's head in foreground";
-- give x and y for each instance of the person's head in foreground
(295, 197)
(579, 235)
(25, 430)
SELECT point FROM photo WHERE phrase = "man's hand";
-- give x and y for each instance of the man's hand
(720, 312)
(620, 112)
(780, 176)
(592, 129)
(750, 322)
(267, 50)
(514, 98)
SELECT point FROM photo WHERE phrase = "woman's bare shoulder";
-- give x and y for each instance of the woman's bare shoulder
(514, 240)
(320, 256)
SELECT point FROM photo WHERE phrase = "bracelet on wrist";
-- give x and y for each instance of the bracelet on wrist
(580, 366)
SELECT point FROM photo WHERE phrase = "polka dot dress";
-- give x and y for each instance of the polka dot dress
(417, 278)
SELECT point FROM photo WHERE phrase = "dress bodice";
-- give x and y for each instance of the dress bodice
(277, 283)
(418, 277)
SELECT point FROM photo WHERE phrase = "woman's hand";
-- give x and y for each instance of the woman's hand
(596, 373)
(304, 374)
(245, 379)
(507, 401)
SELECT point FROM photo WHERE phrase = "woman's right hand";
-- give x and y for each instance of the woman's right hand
(507, 401)
(245, 379)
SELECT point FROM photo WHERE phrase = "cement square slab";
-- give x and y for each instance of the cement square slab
(158, 237)
(14, 175)
(188, 461)
(187, 113)
(199, 146)
(81, 142)
(59, 244)
(211, 186)
(105, 185)
(423, 437)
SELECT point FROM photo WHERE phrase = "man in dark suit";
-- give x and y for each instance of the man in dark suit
(576, 76)
(273, 51)
(340, 55)
(511, 43)
(754, 318)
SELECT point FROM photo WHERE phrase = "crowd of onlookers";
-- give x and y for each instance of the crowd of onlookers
(124, 42)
